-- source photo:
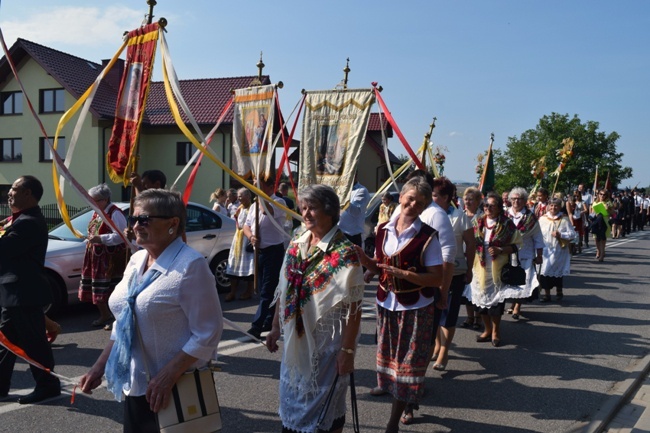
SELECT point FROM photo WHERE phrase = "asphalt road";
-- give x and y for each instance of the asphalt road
(554, 370)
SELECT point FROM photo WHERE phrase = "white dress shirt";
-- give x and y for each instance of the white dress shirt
(353, 218)
(436, 217)
(178, 311)
(270, 235)
(431, 256)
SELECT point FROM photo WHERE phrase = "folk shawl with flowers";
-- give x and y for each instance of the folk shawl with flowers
(313, 282)
(527, 221)
(504, 233)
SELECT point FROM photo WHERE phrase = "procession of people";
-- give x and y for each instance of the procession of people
(434, 252)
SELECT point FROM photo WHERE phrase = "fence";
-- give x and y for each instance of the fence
(50, 211)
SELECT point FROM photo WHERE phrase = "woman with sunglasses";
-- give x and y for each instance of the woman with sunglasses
(168, 316)
(601, 211)
(496, 238)
(105, 257)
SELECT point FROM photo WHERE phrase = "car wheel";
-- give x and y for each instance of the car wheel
(56, 288)
(218, 266)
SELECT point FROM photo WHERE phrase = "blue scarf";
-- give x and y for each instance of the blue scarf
(118, 366)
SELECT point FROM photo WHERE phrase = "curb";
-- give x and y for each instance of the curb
(621, 394)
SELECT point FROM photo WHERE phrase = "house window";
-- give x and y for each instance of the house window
(12, 103)
(45, 153)
(184, 152)
(12, 150)
(52, 101)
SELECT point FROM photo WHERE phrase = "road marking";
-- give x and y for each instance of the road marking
(14, 405)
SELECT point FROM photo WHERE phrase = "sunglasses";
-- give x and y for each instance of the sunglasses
(143, 220)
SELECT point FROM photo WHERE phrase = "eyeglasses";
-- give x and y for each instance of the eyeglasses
(143, 220)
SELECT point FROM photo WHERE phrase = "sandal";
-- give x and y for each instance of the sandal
(515, 316)
(510, 310)
(468, 323)
(439, 367)
(377, 391)
(407, 416)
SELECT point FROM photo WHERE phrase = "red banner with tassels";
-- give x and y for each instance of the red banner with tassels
(131, 101)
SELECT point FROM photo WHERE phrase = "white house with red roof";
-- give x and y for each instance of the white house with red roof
(54, 81)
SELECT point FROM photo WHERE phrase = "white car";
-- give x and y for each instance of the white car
(207, 232)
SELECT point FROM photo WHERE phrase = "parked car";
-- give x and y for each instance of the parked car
(372, 216)
(207, 232)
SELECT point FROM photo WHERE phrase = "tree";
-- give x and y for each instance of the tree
(592, 148)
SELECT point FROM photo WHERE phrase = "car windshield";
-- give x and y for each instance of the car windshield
(79, 222)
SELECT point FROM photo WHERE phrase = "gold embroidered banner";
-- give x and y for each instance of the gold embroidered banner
(253, 129)
(333, 133)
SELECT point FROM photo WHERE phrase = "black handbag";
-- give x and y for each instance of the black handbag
(513, 275)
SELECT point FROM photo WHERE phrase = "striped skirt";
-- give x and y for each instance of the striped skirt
(103, 268)
(403, 345)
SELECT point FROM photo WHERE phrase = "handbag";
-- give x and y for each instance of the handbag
(513, 275)
(248, 246)
(194, 406)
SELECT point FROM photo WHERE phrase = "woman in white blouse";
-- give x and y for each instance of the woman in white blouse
(163, 283)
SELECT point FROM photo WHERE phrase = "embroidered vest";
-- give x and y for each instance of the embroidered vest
(98, 227)
(104, 229)
(409, 257)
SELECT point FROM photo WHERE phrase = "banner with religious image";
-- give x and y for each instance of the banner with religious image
(131, 101)
(333, 132)
(252, 129)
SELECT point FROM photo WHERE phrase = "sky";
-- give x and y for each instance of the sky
(478, 66)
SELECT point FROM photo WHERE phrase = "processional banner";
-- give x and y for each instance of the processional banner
(131, 101)
(252, 129)
(333, 132)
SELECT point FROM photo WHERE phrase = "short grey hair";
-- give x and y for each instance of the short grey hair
(244, 192)
(421, 186)
(556, 201)
(522, 193)
(323, 195)
(163, 203)
(100, 191)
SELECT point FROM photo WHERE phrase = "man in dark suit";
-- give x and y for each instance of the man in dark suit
(24, 291)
